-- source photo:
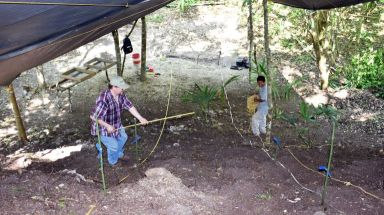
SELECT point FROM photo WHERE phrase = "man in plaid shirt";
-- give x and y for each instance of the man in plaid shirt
(108, 109)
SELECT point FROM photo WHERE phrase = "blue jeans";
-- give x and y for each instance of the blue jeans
(115, 146)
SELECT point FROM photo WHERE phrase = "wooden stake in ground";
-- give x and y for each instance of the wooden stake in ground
(115, 35)
(16, 112)
(143, 76)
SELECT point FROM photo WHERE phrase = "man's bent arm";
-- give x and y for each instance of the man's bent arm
(101, 122)
(136, 114)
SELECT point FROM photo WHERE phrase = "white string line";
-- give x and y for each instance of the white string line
(229, 105)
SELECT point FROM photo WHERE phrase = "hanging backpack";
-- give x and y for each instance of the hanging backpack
(127, 45)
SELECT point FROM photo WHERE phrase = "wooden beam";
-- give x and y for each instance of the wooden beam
(84, 70)
(16, 112)
(71, 78)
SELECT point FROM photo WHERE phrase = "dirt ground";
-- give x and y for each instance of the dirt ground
(198, 166)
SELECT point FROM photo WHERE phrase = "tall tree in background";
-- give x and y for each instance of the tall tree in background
(250, 37)
(143, 76)
(268, 68)
(321, 44)
(115, 35)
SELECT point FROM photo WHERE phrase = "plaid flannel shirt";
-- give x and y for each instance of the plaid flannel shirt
(108, 110)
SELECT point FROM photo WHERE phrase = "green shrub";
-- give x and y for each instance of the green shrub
(156, 18)
(287, 43)
(202, 96)
(306, 113)
(328, 111)
(184, 5)
(366, 71)
(221, 93)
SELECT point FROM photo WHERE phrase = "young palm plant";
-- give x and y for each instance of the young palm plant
(307, 115)
(221, 93)
(202, 96)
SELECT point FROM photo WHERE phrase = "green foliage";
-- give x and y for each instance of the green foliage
(304, 59)
(202, 96)
(247, 2)
(264, 196)
(287, 43)
(284, 91)
(276, 93)
(307, 115)
(298, 82)
(260, 68)
(328, 111)
(156, 18)
(306, 112)
(230, 80)
(366, 71)
(184, 5)
(277, 113)
(61, 203)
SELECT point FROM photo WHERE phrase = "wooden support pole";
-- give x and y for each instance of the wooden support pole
(250, 38)
(16, 112)
(115, 35)
(270, 77)
(143, 76)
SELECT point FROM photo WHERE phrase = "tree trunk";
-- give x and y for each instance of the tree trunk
(319, 24)
(266, 35)
(269, 71)
(143, 76)
(16, 112)
(40, 77)
(115, 35)
(333, 50)
(250, 38)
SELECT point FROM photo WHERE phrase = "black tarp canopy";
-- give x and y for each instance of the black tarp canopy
(319, 4)
(31, 34)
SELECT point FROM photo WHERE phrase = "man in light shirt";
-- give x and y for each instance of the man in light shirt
(259, 119)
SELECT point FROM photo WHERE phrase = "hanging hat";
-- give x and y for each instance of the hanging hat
(118, 82)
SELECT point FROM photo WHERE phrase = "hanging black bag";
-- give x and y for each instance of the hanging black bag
(127, 45)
